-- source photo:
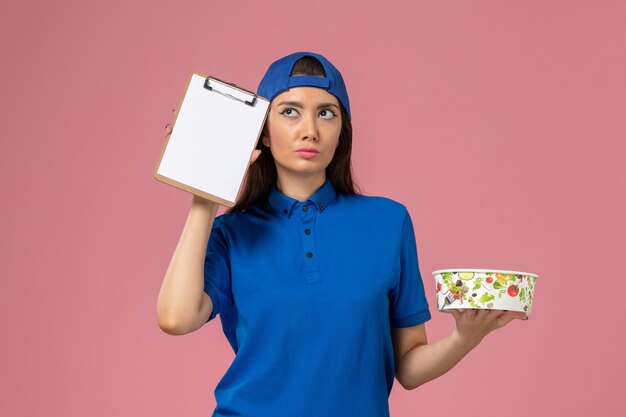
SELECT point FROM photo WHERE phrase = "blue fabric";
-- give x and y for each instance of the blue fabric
(308, 80)
(312, 333)
(278, 78)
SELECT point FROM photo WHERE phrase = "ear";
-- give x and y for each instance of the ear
(265, 140)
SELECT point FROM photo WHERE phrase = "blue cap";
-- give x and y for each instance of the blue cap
(278, 79)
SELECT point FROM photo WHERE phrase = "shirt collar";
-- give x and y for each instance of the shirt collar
(284, 204)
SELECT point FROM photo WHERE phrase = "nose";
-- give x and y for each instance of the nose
(308, 127)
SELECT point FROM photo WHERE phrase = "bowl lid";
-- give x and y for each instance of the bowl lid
(499, 271)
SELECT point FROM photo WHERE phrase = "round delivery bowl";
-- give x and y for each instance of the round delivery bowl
(484, 289)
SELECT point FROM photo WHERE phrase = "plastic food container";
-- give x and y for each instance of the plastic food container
(490, 289)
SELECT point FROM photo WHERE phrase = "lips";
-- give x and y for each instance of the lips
(307, 149)
(307, 153)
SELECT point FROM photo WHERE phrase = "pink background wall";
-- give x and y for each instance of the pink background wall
(500, 124)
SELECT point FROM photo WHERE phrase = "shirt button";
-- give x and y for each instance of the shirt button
(305, 208)
(285, 211)
(309, 254)
(321, 207)
(307, 231)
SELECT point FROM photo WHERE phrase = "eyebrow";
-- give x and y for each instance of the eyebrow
(298, 104)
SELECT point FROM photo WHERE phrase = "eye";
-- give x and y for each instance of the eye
(289, 111)
(329, 113)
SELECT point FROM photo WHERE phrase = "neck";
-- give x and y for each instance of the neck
(300, 188)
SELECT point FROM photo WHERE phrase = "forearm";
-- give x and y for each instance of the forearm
(426, 362)
(180, 298)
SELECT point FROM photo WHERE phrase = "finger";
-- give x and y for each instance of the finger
(455, 313)
(462, 312)
(494, 314)
(255, 155)
(482, 314)
(515, 314)
(521, 316)
(507, 317)
(471, 314)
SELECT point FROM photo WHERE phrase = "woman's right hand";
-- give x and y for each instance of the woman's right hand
(255, 155)
(170, 126)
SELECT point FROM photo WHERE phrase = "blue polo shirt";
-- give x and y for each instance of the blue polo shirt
(307, 293)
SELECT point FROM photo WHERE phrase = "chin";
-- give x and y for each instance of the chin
(304, 167)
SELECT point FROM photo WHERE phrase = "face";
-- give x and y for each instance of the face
(303, 117)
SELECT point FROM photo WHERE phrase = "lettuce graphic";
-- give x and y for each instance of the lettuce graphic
(485, 298)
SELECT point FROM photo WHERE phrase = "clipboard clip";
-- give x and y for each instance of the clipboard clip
(230, 90)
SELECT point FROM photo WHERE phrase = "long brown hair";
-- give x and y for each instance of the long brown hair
(262, 176)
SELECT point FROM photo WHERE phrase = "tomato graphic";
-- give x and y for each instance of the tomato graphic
(438, 286)
(513, 290)
(489, 280)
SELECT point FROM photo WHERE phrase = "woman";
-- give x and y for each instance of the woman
(318, 287)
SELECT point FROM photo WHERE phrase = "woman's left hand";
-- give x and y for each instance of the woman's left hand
(473, 325)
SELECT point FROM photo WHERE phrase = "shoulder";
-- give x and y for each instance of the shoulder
(238, 221)
(379, 205)
(225, 222)
(229, 220)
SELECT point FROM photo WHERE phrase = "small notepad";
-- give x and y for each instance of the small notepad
(215, 131)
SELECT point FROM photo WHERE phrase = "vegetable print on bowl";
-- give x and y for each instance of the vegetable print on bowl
(490, 289)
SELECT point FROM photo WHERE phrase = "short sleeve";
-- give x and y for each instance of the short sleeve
(217, 280)
(408, 300)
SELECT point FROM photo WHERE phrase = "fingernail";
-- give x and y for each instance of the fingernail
(526, 318)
